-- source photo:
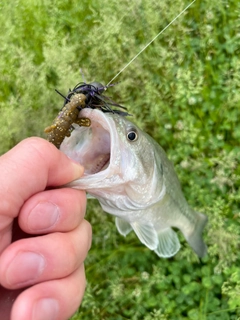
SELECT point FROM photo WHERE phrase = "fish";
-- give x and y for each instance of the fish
(132, 178)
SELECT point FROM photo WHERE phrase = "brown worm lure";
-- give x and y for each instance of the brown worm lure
(62, 124)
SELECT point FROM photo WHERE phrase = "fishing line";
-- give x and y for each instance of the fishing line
(135, 57)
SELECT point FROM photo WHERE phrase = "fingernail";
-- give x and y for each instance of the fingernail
(43, 216)
(45, 309)
(26, 267)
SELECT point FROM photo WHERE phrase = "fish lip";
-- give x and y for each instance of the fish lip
(98, 118)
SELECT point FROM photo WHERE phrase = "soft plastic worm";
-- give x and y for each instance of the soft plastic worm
(62, 124)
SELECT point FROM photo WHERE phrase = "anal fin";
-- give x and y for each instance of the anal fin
(168, 243)
(146, 234)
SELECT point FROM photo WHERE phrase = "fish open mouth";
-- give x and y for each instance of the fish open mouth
(101, 162)
(90, 146)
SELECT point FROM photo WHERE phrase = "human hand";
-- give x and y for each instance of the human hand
(47, 269)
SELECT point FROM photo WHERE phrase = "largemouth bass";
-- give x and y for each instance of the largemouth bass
(131, 176)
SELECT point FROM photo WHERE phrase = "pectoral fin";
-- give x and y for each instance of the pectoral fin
(123, 226)
(146, 234)
(168, 243)
(89, 196)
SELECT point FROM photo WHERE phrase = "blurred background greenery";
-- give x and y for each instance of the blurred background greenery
(184, 91)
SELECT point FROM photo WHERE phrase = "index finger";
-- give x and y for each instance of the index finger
(30, 167)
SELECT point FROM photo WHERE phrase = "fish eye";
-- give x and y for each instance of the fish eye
(132, 135)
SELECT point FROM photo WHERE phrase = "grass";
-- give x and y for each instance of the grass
(184, 91)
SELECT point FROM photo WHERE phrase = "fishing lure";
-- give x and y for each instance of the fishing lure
(82, 96)
(62, 124)
(94, 97)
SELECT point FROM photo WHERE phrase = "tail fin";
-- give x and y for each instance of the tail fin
(195, 238)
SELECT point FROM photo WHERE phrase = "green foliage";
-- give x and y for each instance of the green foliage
(232, 287)
(184, 91)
